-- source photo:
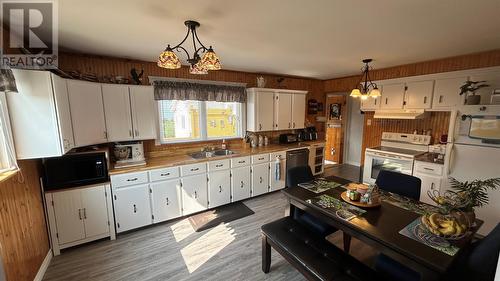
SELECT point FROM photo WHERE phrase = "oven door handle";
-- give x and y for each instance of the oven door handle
(390, 156)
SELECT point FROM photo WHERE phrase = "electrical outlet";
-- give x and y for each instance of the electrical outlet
(369, 122)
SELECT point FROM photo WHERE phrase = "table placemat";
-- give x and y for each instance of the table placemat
(336, 207)
(418, 233)
(407, 203)
(319, 185)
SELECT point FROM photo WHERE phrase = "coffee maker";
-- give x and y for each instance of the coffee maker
(308, 134)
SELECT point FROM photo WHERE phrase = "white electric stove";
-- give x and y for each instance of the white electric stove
(396, 153)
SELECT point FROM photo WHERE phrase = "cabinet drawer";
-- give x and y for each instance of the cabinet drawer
(194, 169)
(281, 155)
(218, 165)
(429, 168)
(164, 173)
(240, 162)
(261, 158)
(129, 179)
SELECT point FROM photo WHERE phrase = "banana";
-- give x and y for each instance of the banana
(434, 220)
(448, 231)
(459, 229)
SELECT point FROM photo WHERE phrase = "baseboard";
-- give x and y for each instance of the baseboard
(353, 163)
(43, 267)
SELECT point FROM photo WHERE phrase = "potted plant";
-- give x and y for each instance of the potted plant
(469, 195)
(469, 88)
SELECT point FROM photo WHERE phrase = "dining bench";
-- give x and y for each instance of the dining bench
(309, 253)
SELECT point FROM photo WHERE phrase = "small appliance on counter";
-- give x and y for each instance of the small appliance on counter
(75, 169)
(308, 134)
(129, 154)
(288, 138)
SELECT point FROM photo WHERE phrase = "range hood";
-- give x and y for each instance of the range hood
(400, 114)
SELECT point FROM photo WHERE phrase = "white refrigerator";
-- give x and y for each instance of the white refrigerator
(473, 152)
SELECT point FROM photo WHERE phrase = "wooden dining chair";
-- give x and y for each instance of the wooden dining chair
(398, 183)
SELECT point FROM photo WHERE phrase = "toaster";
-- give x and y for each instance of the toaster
(288, 138)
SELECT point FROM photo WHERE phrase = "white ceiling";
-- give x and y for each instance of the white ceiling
(316, 38)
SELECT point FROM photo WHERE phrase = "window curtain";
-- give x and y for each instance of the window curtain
(173, 90)
(7, 81)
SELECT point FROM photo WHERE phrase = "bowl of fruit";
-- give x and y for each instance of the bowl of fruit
(446, 226)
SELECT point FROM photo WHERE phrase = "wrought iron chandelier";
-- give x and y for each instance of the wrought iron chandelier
(202, 60)
(366, 88)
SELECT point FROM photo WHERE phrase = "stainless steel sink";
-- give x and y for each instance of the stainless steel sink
(210, 154)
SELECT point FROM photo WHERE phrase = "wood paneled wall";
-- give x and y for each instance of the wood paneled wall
(24, 241)
(105, 66)
(438, 122)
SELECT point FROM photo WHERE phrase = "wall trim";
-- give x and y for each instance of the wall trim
(43, 267)
(198, 81)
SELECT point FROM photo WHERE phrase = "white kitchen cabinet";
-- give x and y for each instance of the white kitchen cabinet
(143, 112)
(219, 188)
(40, 115)
(79, 215)
(431, 175)
(63, 113)
(282, 111)
(446, 92)
(418, 94)
(165, 200)
(68, 216)
(277, 179)
(298, 111)
(260, 110)
(132, 207)
(392, 96)
(87, 112)
(240, 183)
(116, 100)
(260, 179)
(194, 194)
(371, 104)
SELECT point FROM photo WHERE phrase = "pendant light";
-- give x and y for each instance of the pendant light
(201, 60)
(366, 88)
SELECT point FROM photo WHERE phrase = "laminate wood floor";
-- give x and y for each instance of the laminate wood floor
(173, 251)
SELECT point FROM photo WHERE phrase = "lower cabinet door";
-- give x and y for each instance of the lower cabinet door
(69, 216)
(165, 200)
(260, 179)
(95, 211)
(429, 184)
(132, 207)
(277, 175)
(194, 194)
(219, 188)
(240, 183)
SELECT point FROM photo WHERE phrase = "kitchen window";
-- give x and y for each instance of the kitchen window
(189, 120)
(7, 154)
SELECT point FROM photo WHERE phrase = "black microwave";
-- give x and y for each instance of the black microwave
(76, 169)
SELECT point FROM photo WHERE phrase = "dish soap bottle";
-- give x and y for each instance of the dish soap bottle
(223, 145)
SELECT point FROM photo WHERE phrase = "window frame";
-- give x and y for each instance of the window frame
(203, 126)
(8, 161)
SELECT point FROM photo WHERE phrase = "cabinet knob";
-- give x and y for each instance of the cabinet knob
(135, 209)
(289, 125)
(165, 174)
(260, 179)
(167, 201)
(294, 124)
(425, 99)
(440, 98)
(80, 214)
(385, 100)
(85, 213)
(241, 184)
(195, 194)
(260, 127)
(220, 189)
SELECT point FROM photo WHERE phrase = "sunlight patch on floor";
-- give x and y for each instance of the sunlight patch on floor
(202, 249)
(182, 229)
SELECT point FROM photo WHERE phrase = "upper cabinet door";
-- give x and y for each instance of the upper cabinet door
(371, 104)
(265, 111)
(63, 113)
(282, 111)
(143, 112)
(87, 112)
(446, 92)
(298, 111)
(418, 95)
(117, 108)
(393, 96)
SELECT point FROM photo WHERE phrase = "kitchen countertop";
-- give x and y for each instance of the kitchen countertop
(177, 160)
(429, 157)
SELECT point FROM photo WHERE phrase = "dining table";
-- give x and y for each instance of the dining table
(380, 228)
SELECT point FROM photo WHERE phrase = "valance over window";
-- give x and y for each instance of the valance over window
(175, 90)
